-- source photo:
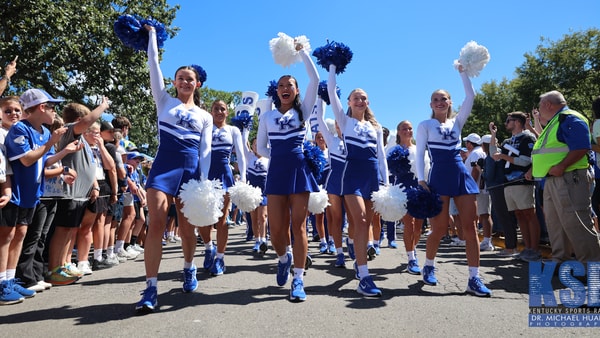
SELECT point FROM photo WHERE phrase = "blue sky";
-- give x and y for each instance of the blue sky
(403, 50)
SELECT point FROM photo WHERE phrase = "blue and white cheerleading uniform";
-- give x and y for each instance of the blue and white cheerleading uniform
(223, 141)
(257, 173)
(448, 176)
(336, 160)
(289, 172)
(364, 144)
(184, 135)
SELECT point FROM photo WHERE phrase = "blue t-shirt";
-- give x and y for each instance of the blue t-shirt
(574, 132)
(27, 182)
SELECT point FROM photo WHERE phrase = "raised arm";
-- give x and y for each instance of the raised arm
(336, 104)
(382, 158)
(310, 96)
(205, 148)
(319, 115)
(262, 137)
(157, 82)
(422, 136)
(467, 105)
(238, 143)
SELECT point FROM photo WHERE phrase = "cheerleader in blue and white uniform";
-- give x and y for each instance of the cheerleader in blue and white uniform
(333, 181)
(281, 134)
(257, 177)
(185, 135)
(224, 139)
(365, 163)
(450, 178)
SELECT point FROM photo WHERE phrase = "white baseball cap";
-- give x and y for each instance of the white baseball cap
(474, 138)
(33, 97)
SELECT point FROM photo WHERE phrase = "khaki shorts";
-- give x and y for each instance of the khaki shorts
(484, 205)
(519, 197)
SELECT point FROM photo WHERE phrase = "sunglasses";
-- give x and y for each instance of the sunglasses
(508, 121)
(12, 111)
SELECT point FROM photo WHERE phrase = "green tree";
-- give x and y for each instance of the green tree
(69, 48)
(570, 65)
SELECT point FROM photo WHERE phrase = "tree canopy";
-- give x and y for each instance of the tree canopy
(570, 65)
(69, 49)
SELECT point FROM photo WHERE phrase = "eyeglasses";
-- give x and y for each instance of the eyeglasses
(508, 121)
(50, 105)
(12, 111)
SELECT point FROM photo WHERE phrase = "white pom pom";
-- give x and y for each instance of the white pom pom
(284, 50)
(389, 202)
(245, 196)
(473, 58)
(202, 201)
(318, 201)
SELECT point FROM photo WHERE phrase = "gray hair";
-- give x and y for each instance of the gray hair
(554, 97)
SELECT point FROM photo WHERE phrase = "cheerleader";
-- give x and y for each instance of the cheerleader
(224, 138)
(257, 177)
(281, 133)
(450, 178)
(365, 163)
(412, 226)
(185, 135)
(333, 181)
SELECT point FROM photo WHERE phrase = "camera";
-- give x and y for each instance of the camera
(480, 162)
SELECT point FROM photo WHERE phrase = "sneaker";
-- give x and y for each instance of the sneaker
(530, 255)
(458, 242)
(429, 275)
(368, 288)
(322, 247)
(263, 248)
(506, 253)
(256, 247)
(124, 254)
(486, 246)
(308, 262)
(137, 248)
(132, 252)
(209, 257)
(111, 260)
(177, 238)
(477, 288)
(15, 283)
(149, 300)
(45, 285)
(190, 283)
(283, 270)
(118, 258)
(340, 261)
(218, 267)
(59, 276)
(413, 267)
(171, 239)
(331, 248)
(377, 249)
(100, 265)
(297, 293)
(37, 288)
(392, 244)
(371, 253)
(351, 253)
(82, 270)
(8, 295)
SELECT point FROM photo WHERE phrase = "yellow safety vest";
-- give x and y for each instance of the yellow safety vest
(548, 151)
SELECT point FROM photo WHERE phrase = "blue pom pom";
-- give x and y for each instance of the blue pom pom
(272, 92)
(201, 73)
(423, 204)
(333, 53)
(315, 158)
(399, 166)
(322, 92)
(130, 30)
(242, 120)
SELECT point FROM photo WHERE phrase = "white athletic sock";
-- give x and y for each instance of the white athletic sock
(152, 281)
(429, 262)
(299, 273)
(473, 271)
(363, 271)
(283, 259)
(411, 255)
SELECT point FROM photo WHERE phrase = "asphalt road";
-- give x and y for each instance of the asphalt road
(246, 301)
